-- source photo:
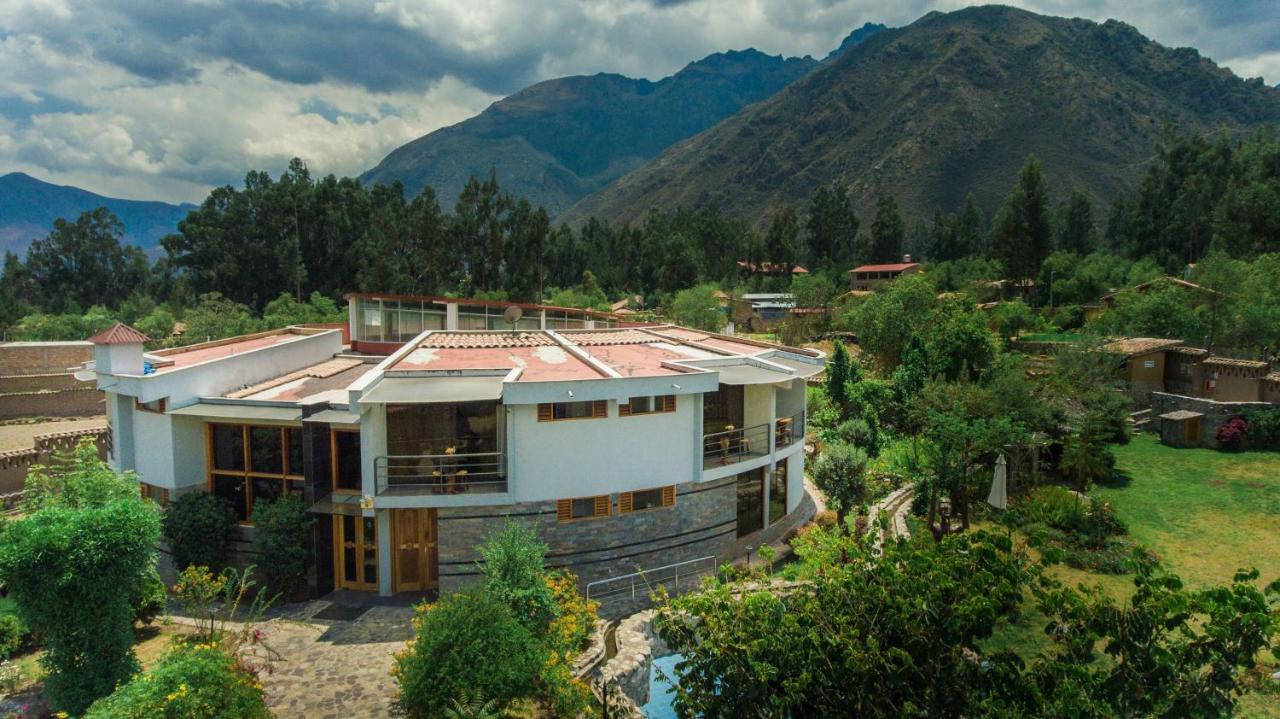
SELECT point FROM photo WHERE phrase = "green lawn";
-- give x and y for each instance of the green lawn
(1205, 512)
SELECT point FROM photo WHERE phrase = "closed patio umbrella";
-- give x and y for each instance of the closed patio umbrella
(999, 492)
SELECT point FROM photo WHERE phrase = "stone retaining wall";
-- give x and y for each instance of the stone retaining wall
(1215, 413)
(76, 402)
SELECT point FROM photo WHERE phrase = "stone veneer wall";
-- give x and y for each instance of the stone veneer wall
(1215, 413)
(703, 522)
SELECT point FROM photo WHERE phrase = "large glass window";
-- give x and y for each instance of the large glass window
(346, 461)
(778, 493)
(248, 463)
(421, 429)
(750, 502)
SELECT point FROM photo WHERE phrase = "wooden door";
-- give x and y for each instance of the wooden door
(415, 544)
(355, 547)
(1192, 431)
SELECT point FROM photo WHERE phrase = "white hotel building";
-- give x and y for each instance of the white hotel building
(418, 428)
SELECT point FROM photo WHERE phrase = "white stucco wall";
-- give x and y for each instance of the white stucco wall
(185, 385)
(154, 448)
(586, 457)
(791, 399)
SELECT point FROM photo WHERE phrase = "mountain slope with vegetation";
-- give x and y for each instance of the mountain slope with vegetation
(559, 140)
(29, 206)
(949, 105)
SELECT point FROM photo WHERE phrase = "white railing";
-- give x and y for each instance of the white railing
(637, 586)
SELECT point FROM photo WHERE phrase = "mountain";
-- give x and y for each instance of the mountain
(559, 140)
(857, 37)
(29, 206)
(950, 104)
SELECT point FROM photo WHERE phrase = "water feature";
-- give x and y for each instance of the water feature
(661, 691)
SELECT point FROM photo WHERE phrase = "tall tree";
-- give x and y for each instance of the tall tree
(780, 242)
(1074, 230)
(1021, 235)
(970, 229)
(888, 232)
(832, 226)
(82, 263)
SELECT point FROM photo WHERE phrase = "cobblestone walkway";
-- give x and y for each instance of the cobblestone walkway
(334, 669)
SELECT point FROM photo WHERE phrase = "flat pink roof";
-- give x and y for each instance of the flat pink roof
(634, 360)
(541, 364)
(204, 354)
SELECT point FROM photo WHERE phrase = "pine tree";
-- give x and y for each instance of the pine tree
(839, 371)
(780, 241)
(887, 232)
(1021, 235)
(1075, 231)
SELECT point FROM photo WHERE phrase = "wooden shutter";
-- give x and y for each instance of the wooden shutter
(600, 408)
(668, 403)
(624, 503)
(564, 510)
(624, 409)
(669, 496)
(546, 412)
(602, 506)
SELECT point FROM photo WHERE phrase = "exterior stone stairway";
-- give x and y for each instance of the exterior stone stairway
(1140, 421)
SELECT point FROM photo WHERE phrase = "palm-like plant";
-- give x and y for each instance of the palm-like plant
(469, 707)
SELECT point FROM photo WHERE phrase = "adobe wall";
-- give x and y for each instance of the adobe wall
(15, 464)
(80, 402)
(43, 357)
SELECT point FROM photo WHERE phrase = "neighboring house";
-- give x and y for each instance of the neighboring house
(627, 447)
(1144, 363)
(769, 269)
(1108, 301)
(380, 323)
(771, 307)
(870, 277)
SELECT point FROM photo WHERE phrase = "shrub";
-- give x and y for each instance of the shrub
(200, 681)
(198, 528)
(858, 433)
(13, 635)
(150, 597)
(841, 474)
(467, 644)
(73, 573)
(1056, 507)
(281, 531)
(1264, 428)
(1231, 435)
(514, 574)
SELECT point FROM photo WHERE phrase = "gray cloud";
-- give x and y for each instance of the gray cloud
(167, 98)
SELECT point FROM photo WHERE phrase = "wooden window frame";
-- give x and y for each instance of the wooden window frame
(662, 404)
(599, 410)
(141, 406)
(603, 507)
(333, 463)
(247, 474)
(625, 500)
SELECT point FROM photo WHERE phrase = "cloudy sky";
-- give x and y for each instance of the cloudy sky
(162, 99)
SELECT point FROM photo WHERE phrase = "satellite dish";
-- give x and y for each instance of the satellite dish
(84, 375)
(512, 315)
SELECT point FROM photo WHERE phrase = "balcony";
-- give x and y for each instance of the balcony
(788, 430)
(404, 475)
(734, 445)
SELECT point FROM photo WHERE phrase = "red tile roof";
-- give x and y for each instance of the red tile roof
(119, 334)
(893, 267)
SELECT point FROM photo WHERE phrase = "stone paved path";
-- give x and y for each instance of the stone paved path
(334, 669)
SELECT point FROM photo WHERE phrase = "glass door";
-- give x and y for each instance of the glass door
(356, 545)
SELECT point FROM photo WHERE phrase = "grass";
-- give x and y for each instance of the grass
(1205, 513)
(152, 642)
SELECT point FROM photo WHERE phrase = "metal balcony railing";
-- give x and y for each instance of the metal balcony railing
(735, 445)
(413, 474)
(788, 430)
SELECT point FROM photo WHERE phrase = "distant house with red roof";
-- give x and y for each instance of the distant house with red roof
(871, 277)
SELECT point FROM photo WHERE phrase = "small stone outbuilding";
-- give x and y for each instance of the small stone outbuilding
(1181, 428)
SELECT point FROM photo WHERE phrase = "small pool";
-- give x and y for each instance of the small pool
(661, 692)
